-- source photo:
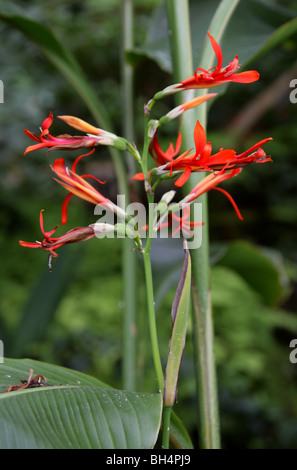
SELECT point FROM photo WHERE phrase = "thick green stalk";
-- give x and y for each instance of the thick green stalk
(129, 260)
(179, 25)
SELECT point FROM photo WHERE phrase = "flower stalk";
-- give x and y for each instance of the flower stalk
(179, 24)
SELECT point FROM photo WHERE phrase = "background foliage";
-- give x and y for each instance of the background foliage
(73, 317)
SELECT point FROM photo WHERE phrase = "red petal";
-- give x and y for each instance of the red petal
(184, 177)
(30, 245)
(79, 158)
(94, 178)
(199, 139)
(245, 77)
(232, 202)
(218, 53)
(59, 167)
(32, 135)
(65, 207)
(47, 122)
(138, 177)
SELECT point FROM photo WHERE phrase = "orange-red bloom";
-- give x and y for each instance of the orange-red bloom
(217, 75)
(65, 141)
(51, 244)
(202, 160)
(95, 136)
(78, 186)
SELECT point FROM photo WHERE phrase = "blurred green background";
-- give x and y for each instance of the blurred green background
(73, 316)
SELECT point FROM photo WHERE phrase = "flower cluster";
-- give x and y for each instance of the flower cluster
(220, 166)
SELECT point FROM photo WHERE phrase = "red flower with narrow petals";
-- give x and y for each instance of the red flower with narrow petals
(51, 244)
(78, 186)
(95, 136)
(202, 160)
(217, 75)
(65, 141)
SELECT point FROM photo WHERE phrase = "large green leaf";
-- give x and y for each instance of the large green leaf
(255, 27)
(75, 412)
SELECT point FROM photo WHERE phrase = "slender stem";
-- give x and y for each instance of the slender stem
(166, 426)
(129, 261)
(179, 24)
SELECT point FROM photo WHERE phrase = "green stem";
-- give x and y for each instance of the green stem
(166, 426)
(129, 260)
(179, 24)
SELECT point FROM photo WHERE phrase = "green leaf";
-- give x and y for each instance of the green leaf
(257, 268)
(179, 315)
(179, 436)
(76, 412)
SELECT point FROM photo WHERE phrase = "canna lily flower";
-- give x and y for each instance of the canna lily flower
(78, 186)
(202, 160)
(94, 137)
(51, 244)
(213, 77)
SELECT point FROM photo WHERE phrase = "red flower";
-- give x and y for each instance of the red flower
(65, 141)
(78, 186)
(216, 76)
(95, 136)
(202, 160)
(51, 244)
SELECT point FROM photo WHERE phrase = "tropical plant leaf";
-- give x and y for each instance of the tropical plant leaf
(75, 412)
(179, 436)
(179, 315)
